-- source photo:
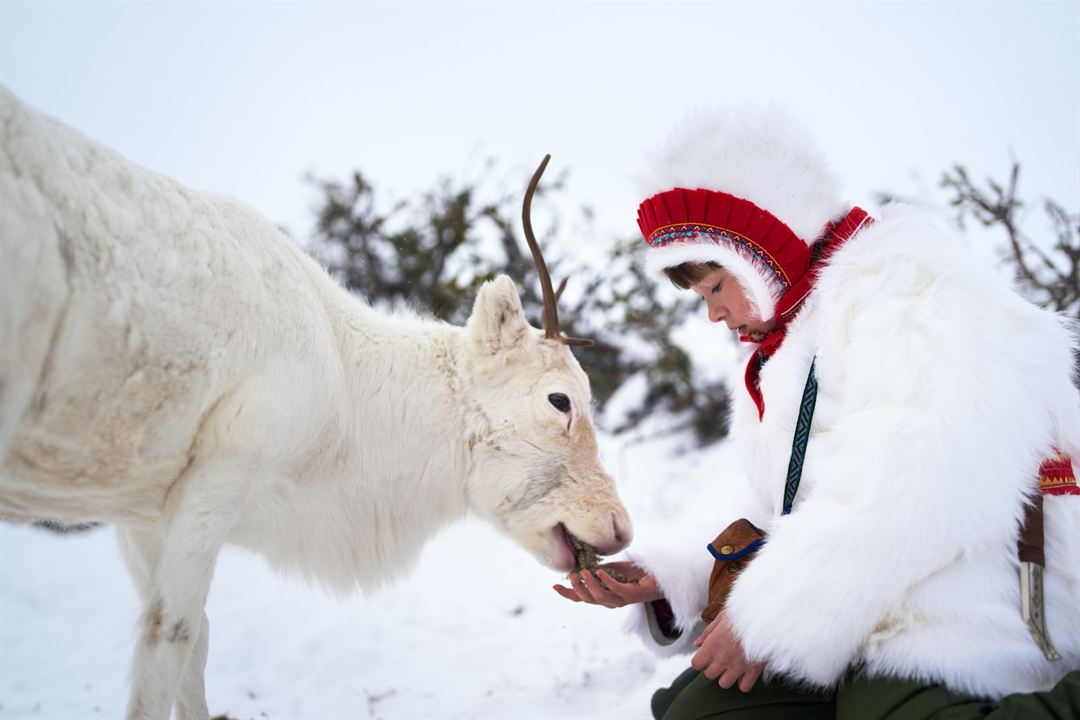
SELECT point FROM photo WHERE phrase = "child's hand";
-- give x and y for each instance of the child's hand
(598, 587)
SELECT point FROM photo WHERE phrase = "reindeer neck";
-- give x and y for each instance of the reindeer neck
(388, 469)
(402, 383)
(404, 406)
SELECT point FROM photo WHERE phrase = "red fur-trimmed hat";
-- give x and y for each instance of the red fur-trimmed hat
(748, 190)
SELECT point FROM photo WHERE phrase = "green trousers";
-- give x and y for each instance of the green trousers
(695, 697)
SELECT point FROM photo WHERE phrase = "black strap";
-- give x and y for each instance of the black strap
(802, 435)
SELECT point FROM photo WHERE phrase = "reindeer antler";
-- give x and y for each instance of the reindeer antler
(551, 298)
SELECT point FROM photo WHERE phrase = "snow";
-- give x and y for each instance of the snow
(475, 631)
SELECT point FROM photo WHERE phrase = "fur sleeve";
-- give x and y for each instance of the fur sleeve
(678, 558)
(683, 577)
(934, 388)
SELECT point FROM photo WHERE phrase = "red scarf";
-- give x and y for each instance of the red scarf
(833, 236)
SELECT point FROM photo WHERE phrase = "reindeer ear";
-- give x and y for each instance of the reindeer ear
(497, 321)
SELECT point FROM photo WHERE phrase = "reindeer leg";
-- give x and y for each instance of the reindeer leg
(191, 702)
(171, 651)
(141, 551)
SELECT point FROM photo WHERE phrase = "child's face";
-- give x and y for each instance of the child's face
(727, 303)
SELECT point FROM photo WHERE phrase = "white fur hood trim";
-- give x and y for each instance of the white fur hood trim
(657, 259)
(760, 154)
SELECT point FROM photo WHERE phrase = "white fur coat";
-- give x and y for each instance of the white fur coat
(940, 392)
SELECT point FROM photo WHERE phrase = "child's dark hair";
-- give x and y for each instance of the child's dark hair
(689, 273)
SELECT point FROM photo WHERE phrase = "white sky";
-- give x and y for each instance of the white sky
(245, 98)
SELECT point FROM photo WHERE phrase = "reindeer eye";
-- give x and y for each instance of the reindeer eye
(560, 401)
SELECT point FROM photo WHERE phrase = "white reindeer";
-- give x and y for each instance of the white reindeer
(172, 364)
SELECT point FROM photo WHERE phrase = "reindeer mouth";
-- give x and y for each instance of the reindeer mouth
(577, 553)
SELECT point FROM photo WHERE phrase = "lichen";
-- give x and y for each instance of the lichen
(585, 555)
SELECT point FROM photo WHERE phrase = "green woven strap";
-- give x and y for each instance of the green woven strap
(802, 435)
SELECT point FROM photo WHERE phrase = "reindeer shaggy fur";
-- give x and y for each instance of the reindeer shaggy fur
(171, 363)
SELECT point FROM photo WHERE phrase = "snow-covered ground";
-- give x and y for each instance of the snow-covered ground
(474, 631)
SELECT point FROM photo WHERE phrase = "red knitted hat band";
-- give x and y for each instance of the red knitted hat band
(681, 217)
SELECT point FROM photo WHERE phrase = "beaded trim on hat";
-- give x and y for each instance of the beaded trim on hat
(757, 257)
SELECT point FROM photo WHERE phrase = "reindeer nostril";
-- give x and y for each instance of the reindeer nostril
(622, 537)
